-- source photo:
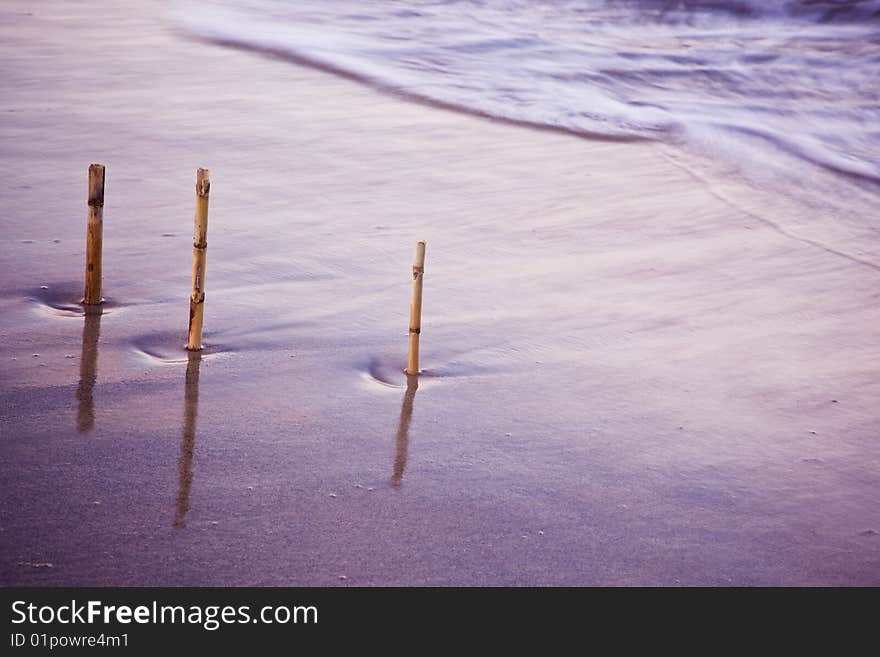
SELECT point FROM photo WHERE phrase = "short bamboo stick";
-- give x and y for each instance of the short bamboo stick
(94, 236)
(200, 248)
(415, 310)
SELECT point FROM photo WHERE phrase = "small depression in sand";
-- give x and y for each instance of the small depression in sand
(65, 300)
(389, 371)
(170, 347)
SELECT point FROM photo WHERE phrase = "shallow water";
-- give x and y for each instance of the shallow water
(787, 92)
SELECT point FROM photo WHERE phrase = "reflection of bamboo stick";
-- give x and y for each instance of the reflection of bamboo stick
(94, 235)
(88, 370)
(406, 411)
(415, 309)
(200, 248)
(188, 444)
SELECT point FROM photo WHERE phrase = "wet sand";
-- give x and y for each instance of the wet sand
(638, 370)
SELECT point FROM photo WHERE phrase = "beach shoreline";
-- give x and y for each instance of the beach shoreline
(629, 381)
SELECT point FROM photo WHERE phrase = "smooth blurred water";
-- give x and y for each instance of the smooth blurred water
(784, 90)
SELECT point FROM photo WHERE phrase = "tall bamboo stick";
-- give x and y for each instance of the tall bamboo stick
(94, 235)
(415, 309)
(200, 248)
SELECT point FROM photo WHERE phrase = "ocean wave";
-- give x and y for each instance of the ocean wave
(798, 85)
(821, 11)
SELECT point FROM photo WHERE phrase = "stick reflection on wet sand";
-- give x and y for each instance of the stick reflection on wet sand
(406, 411)
(188, 444)
(88, 369)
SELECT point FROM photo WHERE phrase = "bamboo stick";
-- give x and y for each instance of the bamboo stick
(94, 236)
(415, 310)
(200, 248)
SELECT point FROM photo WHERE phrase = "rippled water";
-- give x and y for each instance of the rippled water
(781, 89)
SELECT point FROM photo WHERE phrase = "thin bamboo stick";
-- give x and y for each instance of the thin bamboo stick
(415, 310)
(200, 248)
(94, 236)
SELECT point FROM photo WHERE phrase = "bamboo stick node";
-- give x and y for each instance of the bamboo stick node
(94, 236)
(415, 310)
(200, 248)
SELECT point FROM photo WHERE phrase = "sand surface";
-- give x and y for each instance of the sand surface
(638, 370)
